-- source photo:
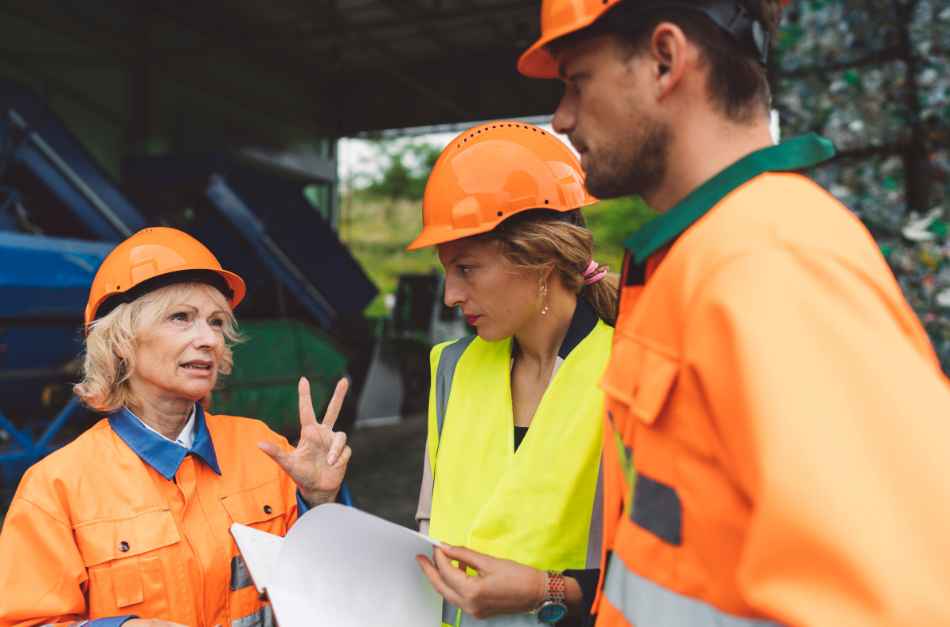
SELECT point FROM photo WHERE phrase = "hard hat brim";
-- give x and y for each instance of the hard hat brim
(237, 285)
(537, 61)
(433, 236)
(441, 234)
(234, 282)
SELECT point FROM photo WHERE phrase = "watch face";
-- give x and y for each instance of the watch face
(551, 612)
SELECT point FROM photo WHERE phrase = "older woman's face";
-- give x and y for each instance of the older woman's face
(497, 298)
(179, 355)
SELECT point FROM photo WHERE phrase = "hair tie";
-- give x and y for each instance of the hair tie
(592, 274)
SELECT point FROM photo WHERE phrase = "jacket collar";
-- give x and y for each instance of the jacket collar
(797, 153)
(582, 323)
(159, 453)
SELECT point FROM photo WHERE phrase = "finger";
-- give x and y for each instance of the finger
(277, 454)
(305, 403)
(455, 578)
(478, 561)
(336, 448)
(432, 574)
(333, 409)
(344, 457)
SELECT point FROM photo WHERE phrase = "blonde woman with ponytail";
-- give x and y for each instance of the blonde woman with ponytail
(512, 468)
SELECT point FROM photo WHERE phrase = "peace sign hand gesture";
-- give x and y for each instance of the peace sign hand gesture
(318, 464)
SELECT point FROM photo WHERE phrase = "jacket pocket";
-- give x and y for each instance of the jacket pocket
(125, 560)
(263, 507)
(639, 379)
(639, 384)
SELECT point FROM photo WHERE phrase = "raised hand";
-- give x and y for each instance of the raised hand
(318, 464)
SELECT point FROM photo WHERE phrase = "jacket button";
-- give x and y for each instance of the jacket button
(267, 509)
(124, 546)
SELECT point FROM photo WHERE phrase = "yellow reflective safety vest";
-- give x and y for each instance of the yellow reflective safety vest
(537, 506)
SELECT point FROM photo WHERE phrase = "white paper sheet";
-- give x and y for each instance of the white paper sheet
(342, 567)
(260, 550)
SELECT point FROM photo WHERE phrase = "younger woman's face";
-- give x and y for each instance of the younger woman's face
(497, 298)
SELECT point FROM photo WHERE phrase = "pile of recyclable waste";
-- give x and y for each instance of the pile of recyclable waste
(873, 76)
(920, 258)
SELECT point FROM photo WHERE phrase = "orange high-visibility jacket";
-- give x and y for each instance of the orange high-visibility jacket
(778, 427)
(123, 523)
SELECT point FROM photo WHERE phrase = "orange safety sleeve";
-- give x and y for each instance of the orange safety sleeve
(41, 571)
(835, 419)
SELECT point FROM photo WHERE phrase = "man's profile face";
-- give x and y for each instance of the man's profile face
(609, 113)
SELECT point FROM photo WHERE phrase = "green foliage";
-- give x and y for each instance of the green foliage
(611, 222)
(380, 245)
(407, 166)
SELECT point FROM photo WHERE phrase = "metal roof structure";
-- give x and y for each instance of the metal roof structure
(390, 63)
(334, 67)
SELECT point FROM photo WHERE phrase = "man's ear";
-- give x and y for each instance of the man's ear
(670, 54)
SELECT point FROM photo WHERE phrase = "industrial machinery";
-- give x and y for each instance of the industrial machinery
(397, 383)
(60, 214)
(59, 217)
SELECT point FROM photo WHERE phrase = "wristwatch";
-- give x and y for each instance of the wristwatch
(552, 608)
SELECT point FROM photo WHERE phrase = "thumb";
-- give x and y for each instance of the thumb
(281, 457)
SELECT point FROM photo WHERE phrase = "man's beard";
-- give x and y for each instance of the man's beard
(634, 165)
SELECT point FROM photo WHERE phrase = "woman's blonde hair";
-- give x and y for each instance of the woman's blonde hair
(544, 239)
(109, 356)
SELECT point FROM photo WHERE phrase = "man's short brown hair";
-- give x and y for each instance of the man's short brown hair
(737, 79)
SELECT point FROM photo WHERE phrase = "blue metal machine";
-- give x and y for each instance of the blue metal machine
(223, 201)
(50, 183)
(60, 214)
(44, 282)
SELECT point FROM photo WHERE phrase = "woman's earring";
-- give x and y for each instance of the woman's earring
(544, 297)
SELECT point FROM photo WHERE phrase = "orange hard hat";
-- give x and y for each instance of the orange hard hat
(492, 172)
(563, 17)
(559, 18)
(152, 258)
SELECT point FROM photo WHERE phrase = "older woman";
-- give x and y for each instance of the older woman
(515, 413)
(128, 524)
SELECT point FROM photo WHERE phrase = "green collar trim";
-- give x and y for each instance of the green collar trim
(797, 153)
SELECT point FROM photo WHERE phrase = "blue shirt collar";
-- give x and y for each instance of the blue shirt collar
(156, 451)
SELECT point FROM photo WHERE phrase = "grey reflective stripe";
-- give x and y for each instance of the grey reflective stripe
(657, 508)
(596, 531)
(506, 620)
(263, 617)
(644, 603)
(450, 614)
(240, 575)
(448, 360)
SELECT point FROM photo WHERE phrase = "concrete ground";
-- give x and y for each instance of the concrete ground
(386, 469)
